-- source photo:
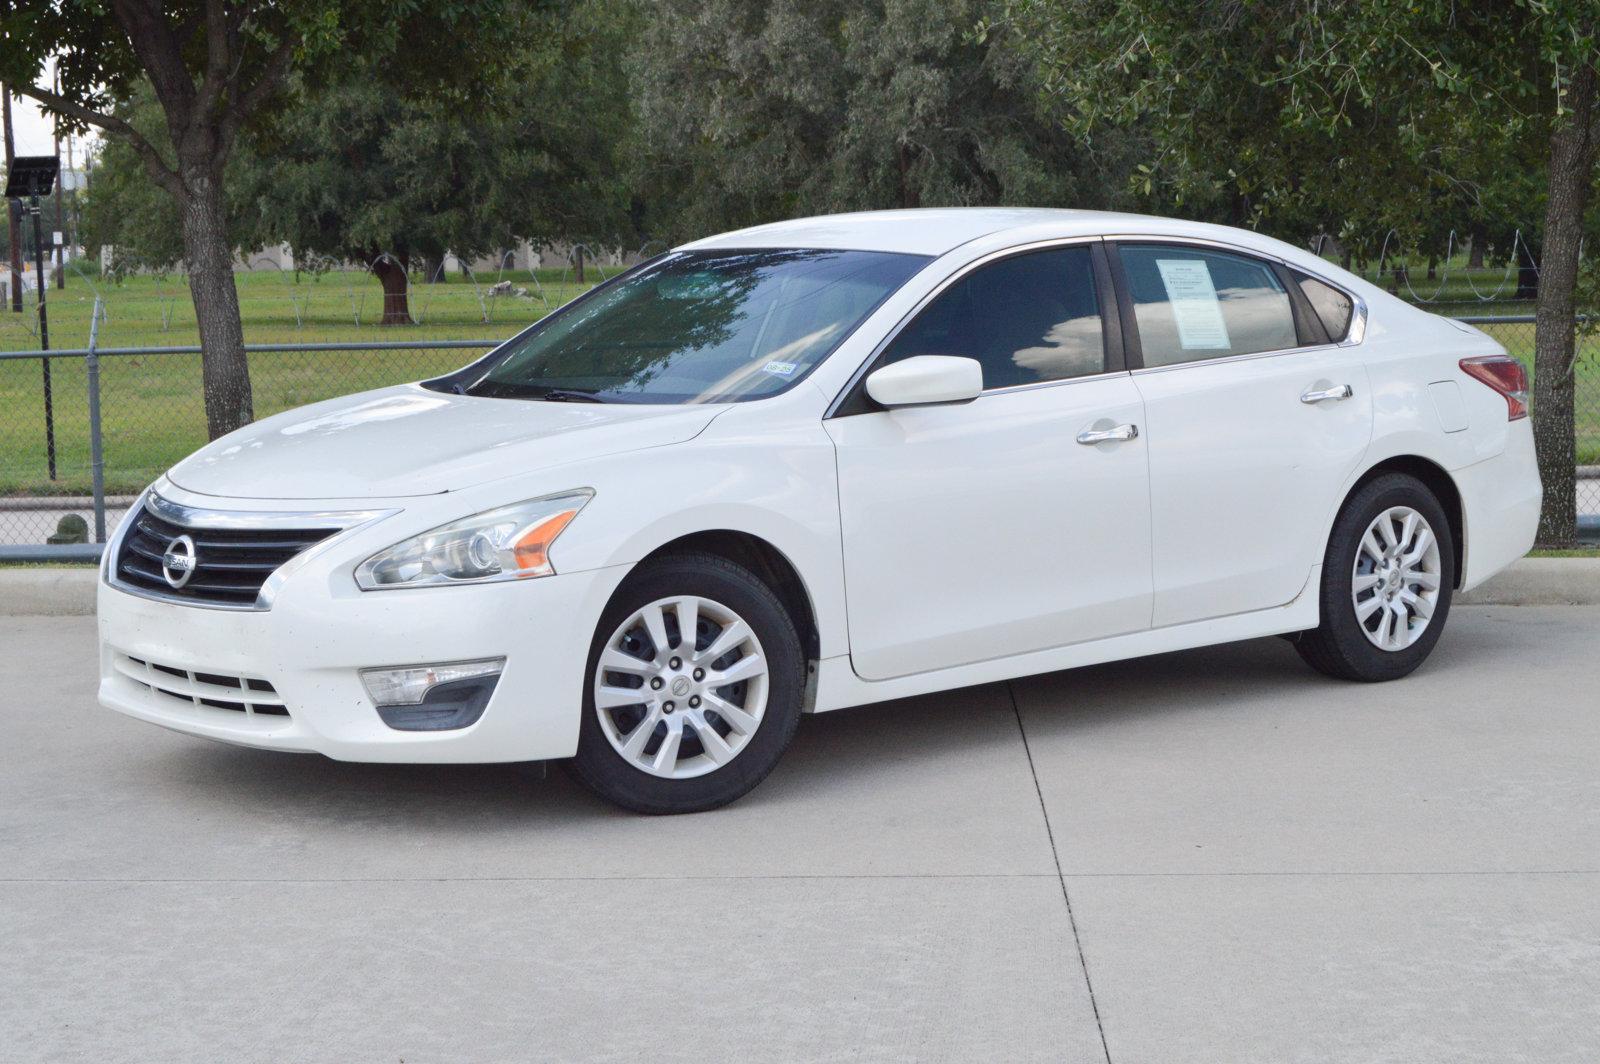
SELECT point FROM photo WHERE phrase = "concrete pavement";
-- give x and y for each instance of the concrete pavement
(1208, 856)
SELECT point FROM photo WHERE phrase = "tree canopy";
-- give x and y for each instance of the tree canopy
(213, 67)
(752, 110)
(1358, 116)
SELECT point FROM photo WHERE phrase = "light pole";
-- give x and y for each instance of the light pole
(31, 177)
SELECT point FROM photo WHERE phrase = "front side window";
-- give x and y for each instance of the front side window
(1029, 318)
(697, 327)
(1192, 305)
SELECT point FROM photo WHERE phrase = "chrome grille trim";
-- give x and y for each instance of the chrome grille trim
(315, 530)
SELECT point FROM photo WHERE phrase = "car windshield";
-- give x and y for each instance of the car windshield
(696, 327)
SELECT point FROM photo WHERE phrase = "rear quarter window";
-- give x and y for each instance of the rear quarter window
(1333, 308)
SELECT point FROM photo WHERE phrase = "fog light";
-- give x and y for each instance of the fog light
(433, 697)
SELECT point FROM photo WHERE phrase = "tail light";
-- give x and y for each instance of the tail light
(1505, 375)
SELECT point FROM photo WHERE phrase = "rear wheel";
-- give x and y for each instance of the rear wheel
(696, 677)
(1387, 580)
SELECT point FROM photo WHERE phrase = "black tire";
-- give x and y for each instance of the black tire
(1340, 647)
(605, 771)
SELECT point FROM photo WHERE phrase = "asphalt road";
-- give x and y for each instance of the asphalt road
(1208, 856)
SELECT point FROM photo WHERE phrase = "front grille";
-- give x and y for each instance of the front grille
(216, 690)
(231, 564)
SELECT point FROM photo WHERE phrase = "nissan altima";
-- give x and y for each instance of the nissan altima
(818, 464)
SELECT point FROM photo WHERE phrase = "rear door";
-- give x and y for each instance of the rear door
(997, 527)
(1255, 422)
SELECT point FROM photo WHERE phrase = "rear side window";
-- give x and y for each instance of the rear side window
(1192, 305)
(1027, 319)
(1333, 307)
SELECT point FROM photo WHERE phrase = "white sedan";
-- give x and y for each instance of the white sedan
(818, 464)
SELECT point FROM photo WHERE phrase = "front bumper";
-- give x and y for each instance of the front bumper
(321, 630)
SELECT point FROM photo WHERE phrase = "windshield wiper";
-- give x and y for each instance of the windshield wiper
(557, 395)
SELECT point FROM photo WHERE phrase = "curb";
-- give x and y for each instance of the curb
(62, 502)
(1527, 582)
(1540, 582)
(48, 592)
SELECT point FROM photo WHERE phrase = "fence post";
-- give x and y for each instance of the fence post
(97, 458)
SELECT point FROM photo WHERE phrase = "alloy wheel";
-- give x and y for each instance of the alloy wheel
(681, 686)
(1395, 584)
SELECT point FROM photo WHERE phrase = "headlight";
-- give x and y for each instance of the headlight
(507, 543)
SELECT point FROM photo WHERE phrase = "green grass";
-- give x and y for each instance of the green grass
(152, 410)
(47, 565)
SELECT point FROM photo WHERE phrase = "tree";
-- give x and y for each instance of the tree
(214, 67)
(751, 111)
(126, 211)
(1357, 111)
(355, 172)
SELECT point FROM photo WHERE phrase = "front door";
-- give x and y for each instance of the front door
(988, 529)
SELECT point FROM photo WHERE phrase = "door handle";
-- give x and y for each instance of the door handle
(1343, 391)
(1121, 432)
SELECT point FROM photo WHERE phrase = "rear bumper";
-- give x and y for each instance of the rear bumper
(319, 633)
(1500, 500)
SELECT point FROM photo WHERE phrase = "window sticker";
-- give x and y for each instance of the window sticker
(1195, 306)
(781, 369)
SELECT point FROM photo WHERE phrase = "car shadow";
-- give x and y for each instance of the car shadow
(831, 751)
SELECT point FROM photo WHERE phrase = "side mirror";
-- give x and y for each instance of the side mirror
(927, 380)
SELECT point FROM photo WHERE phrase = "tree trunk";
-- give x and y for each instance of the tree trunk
(208, 256)
(1528, 275)
(392, 275)
(432, 270)
(1433, 267)
(909, 196)
(1479, 236)
(577, 258)
(1572, 158)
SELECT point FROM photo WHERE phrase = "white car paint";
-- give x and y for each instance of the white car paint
(938, 546)
(366, 445)
(922, 505)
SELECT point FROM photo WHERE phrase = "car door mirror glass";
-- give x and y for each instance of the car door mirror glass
(926, 380)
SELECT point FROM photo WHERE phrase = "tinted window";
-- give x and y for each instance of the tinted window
(699, 327)
(1192, 305)
(1332, 306)
(1027, 319)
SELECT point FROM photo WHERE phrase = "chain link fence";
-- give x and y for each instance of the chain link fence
(151, 413)
(326, 335)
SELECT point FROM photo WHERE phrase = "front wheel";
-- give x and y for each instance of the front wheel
(696, 677)
(1387, 580)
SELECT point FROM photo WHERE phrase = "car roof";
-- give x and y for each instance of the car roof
(937, 230)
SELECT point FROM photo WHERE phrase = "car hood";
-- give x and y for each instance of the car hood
(409, 440)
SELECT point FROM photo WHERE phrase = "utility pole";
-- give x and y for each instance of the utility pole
(60, 223)
(13, 208)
